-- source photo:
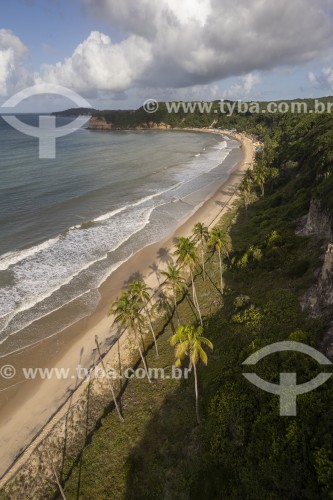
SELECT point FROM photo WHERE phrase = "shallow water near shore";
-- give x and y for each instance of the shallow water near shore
(66, 224)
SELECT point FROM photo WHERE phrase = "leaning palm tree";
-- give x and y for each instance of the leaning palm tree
(187, 256)
(108, 379)
(176, 282)
(200, 233)
(140, 292)
(188, 342)
(127, 315)
(56, 477)
(220, 241)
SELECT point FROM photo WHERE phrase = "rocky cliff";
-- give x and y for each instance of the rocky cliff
(100, 123)
(317, 222)
(318, 300)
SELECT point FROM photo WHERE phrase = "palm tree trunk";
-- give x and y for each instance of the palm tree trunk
(120, 375)
(195, 298)
(109, 381)
(151, 329)
(203, 261)
(196, 393)
(220, 260)
(175, 303)
(141, 355)
(56, 478)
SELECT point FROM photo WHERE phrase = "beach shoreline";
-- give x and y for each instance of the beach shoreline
(23, 413)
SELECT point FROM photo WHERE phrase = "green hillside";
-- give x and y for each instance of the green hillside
(243, 448)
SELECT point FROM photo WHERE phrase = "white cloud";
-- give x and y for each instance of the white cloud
(12, 52)
(98, 64)
(323, 79)
(243, 88)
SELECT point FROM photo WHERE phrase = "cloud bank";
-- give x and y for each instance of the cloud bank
(179, 44)
(195, 42)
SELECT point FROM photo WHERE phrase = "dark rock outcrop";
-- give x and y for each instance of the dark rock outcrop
(318, 300)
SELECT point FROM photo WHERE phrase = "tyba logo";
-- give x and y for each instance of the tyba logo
(287, 389)
(47, 131)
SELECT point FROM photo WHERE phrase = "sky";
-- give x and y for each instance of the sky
(118, 53)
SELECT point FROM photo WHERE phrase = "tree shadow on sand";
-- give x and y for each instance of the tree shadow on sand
(135, 276)
(164, 256)
(155, 270)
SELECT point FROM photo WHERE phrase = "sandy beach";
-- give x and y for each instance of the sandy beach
(30, 408)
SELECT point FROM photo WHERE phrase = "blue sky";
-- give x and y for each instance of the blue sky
(119, 53)
(51, 29)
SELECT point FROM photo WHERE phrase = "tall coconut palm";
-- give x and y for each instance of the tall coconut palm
(176, 282)
(127, 315)
(56, 477)
(245, 189)
(108, 378)
(140, 292)
(220, 241)
(188, 342)
(260, 176)
(200, 233)
(187, 256)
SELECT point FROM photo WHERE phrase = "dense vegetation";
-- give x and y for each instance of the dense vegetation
(243, 448)
(211, 114)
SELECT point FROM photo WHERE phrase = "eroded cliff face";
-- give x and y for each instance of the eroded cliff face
(318, 222)
(100, 123)
(318, 300)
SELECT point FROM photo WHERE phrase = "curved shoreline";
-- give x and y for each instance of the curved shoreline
(81, 337)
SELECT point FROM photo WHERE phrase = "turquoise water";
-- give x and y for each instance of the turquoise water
(65, 224)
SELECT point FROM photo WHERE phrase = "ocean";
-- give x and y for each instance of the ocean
(67, 223)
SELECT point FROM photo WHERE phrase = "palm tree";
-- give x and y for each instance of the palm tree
(56, 477)
(260, 176)
(220, 241)
(187, 256)
(245, 189)
(108, 378)
(140, 292)
(176, 282)
(127, 315)
(188, 341)
(200, 233)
